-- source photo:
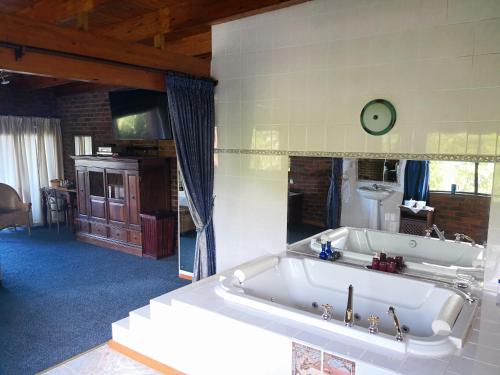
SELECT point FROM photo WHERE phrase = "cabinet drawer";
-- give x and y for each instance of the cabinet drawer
(117, 234)
(135, 237)
(98, 230)
(83, 226)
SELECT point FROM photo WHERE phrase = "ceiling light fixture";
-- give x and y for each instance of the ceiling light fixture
(3, 78)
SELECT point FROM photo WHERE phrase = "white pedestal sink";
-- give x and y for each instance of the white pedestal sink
(376, 194)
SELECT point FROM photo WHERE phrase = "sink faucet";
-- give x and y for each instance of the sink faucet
(349, 316)
(460, 236)
(440, 233)
(397, 324)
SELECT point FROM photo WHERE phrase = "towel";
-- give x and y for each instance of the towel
(346, 188)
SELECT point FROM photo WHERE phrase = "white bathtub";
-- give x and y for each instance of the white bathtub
(420, 253)
(290, 289)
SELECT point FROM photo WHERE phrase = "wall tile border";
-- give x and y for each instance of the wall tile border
(368, 155)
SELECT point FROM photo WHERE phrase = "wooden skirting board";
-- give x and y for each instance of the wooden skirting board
(105, 242)
(138, 357)
(185, 277)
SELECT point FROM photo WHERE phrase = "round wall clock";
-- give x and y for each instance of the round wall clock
(378, 117)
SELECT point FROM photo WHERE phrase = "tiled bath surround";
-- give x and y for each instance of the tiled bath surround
(296, 80)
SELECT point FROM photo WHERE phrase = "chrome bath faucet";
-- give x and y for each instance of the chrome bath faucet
(349, 316)
(461, 236)
(440, 233)
(397, 324)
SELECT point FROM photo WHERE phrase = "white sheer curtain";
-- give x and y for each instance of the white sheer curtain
(30, 156)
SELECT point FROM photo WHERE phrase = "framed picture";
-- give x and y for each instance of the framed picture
(305, 360)
(333, 365)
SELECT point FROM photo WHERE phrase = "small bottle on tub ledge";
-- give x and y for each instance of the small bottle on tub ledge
(323, 255)
(498, 293)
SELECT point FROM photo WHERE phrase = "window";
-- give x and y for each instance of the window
(474, 178)
(83, 145)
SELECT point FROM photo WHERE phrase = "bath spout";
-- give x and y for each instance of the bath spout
(439, 233)
(397, 324)
(349, 316)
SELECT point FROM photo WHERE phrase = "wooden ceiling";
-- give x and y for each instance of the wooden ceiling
(114, 42)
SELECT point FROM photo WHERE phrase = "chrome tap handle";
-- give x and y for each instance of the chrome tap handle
(397, 324)
(428, 233)
(458, 237)
(373, 320)
(327, 311)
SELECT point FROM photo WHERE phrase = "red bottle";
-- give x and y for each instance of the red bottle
(391, 267)
(383, 266)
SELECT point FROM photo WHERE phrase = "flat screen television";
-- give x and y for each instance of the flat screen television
(140, 114)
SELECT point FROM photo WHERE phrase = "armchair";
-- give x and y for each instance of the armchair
(13, 211)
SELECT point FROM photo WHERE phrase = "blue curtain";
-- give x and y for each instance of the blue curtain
(416, 180)
(191, 110)
(334, 199)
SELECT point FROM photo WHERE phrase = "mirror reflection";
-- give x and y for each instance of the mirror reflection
(383, 170)
(430, 212)
(187, 231)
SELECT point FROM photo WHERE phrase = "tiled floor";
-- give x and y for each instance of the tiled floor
(100, 360)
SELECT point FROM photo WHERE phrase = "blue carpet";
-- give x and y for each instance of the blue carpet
(186, 257)
(60, 296)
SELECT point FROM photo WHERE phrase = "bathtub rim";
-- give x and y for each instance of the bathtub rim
(436, 345)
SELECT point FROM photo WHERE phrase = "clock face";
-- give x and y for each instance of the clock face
(378, 117)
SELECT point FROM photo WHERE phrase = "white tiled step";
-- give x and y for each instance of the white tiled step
(140, 319)
(121, 331)
(160, 307)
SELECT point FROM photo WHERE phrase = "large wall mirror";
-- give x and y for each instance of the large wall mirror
(432, 212)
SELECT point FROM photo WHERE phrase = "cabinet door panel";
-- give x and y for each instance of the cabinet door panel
(117, 211)
(98, 208)
(133, 199)
(81, 191)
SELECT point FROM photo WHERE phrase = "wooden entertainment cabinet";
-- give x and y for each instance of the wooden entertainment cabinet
(111, 195)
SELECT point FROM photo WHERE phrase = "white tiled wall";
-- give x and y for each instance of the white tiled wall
(297, 79)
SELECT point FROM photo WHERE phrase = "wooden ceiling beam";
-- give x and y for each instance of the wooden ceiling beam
(138, 28)
(25, 32)
(80, 70)
(52, 11)
(33, 83)
(82, 21)
(194, 45)
(82, 87)
(195, 13)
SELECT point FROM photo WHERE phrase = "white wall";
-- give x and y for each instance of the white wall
(296, 80)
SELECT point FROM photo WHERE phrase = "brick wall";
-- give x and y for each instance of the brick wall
(84, 114)
(311, 176)
(371, 169)
(40, 103)
(461, 213)
(89, 113)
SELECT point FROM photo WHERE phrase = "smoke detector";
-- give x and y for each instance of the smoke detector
(3, 78)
